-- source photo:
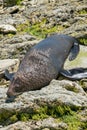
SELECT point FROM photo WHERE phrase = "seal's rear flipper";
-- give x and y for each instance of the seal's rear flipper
(75, 74)
(8, 76)
(74, 51)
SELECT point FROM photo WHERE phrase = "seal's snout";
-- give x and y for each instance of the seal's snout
(10, 97)
(10, 93)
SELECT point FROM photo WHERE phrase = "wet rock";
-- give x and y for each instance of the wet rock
(7, 29)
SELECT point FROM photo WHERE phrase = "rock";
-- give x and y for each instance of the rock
(1, 4)
(6, 63)
(12, 19)
(12, 10)
(10, 64)
(77, 30)
(83, 83)
(80, 61)
(7, 29)
(57, 94)
(16, 46)
(66, 92)
(38, 2)
(83, 115)
(45, 124)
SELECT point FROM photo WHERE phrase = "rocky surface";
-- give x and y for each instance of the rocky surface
(63, 103)
(80, 60)
(42, 124)
(8, 63)
(63, 92)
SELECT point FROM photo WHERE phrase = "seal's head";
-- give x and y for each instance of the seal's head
(16, 87)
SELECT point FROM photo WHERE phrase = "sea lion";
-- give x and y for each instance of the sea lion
(42, 63)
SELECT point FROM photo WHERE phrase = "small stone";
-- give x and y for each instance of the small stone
(12, 10)
(7, 29)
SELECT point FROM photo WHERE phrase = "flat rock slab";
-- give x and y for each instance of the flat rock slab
(63, 91)
(8, 64)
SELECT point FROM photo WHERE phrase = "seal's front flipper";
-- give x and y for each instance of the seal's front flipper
(75, 74)
(11, 99)
(74, 51)
(8, 76)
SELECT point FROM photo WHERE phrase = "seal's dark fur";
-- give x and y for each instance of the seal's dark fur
(42, 63)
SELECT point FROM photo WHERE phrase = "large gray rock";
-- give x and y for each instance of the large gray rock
(66, 92)
(57, 93)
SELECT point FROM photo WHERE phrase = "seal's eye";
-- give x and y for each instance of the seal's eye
(17, 87)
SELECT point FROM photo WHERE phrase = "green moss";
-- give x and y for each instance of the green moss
(21, 28)
(83, 41)
(10, 35)
(18, 2)
(13, 118)
(39, 29)
(73, 122)
(72, 88)
(83, 11)
(46, 111)
(83, 83)
(23, 116)
(13, 2)
(39, 116)
(5, 117)
(84, 125)
(57, 111)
